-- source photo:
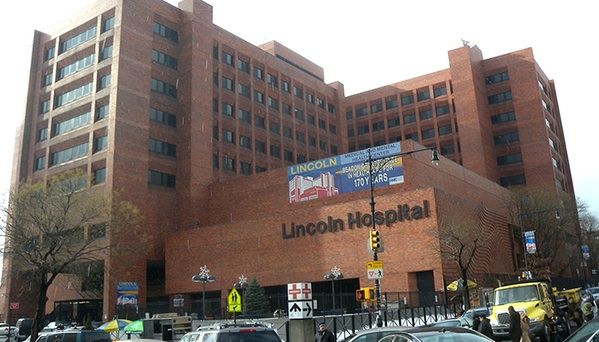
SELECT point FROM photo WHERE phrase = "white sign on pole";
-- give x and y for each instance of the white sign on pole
(300, 309)
(375, 273)
(299, 291)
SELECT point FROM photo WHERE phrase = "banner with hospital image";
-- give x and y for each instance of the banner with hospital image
(345, 173)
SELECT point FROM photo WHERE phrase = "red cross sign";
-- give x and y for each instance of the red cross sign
(299, 291)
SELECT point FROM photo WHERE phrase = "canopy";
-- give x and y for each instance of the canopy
(134, 327)
(453, 286)
(114, 325)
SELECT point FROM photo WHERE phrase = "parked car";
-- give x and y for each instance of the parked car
(5, 330)
(480, 311)
(587, 332)
(374, 334)
(224, 332)
(434, 334)
(595, 292)
(23, 328)
(75, 335)
(452, 322)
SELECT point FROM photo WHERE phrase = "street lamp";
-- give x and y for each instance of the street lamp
(332, 275)
(389, 158)
(203, 277)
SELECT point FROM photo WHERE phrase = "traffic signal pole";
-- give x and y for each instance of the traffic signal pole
(375, 257)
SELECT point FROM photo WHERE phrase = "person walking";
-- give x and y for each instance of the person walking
(515, 327)
(323, 334)
(525, 326)
(475, 322)
(485, 327)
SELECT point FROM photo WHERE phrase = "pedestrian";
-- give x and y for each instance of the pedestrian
(323, 334)
(525, 326)
(485, 327)
(475, 322)
(515, 328)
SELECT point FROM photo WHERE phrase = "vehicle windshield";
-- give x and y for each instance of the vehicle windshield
(516, 294)
(450, 337)
(249, 336)
(585, 332)
(594, 290)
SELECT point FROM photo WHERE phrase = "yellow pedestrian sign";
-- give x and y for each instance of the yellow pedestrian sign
(234, 301)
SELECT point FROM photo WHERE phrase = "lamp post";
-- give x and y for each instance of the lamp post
(389, 158)
(203, 277)
(522, 236)
(332, 275)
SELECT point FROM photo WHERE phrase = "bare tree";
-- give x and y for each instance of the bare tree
(589, 228)
(460, 239)
(51, 227)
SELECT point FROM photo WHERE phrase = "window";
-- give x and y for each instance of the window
(334, 149)
(228, 136)
(108, 24)
(258, 73)
(310, 98)
(275, 151)
(413, 136)
(423, 94)
(100, 143)
(228, 163)
(379, 142)
(509, 159)
(163, 147)
(73, 95)
(442, 110)
(349, 114)
(162, 179)
(260, 169)
(512, 180)
(288, 155)
(407, 99)
(393, 122)
(105, 52)
(245, 168)
(497, 78)
(49, 54)
(272, 80)
(320, 102)
(311, 119)
(500, 98)
(227, 58)
(300, 137)
(378, 126)
(426, 114)
(300, 115)
(312, 141)
(164, 88)
(260, 146)
(409, 118)
(228, 110)
(243, 66)
(503, 117)
(287, 132)
(42, 134)
(46, 79)
(99, 176)
(75, 66)
(215, 162)
(215, 132)
(389, 104)
(165, 32)
(273, 103)
(298, 91)
(228, 83)
(44, 106)
(71, 124)
(301, 158)
(78, 39)
(104, 82)
(323, 145)
(162, 117)
(243, 90)
(447, 149)
(363, 129)
(362, 111)
(322, 124)
(332, 128)
(259, 121)
(259, 96)
(285, 86)
(553, 144)
(245, 141)
(506, 138)
(287, 109)
(69, 154)
(445, 129)
(97, 231)
(428, 133)
(164, 59)
(439, 91)
(350, 132)
(244, 116)
(556, 163)
(275, 127)
(39, 163)
(376, 107)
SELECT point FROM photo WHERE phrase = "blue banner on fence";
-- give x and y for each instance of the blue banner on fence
(529, 240)
(345, 173)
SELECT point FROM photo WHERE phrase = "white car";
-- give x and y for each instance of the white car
(595, 292)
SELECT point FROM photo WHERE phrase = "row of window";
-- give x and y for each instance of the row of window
(165, 32)
(71, 153)
(72, 124)
(394, 122)
(229, 164)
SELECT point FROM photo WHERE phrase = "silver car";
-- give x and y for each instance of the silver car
(374, 334)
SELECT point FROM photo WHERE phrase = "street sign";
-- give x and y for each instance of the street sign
(234, 301)
(14, 306)
(374, 269)
(300, 309)
(299, 291)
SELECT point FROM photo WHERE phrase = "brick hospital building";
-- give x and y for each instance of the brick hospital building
(196, 127)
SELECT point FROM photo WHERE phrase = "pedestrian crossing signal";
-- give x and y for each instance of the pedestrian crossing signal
(374, 241)
(365, 294)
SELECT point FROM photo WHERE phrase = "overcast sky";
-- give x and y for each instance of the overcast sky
(366, 45)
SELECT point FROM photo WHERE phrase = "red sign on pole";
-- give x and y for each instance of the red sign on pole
(14, 306)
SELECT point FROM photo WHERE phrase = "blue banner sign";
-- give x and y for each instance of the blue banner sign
(126, 293)
(345, 173)
(529, 240)
(586, 254)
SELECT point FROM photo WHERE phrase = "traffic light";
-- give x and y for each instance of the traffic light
(361, 295)
(374, 240)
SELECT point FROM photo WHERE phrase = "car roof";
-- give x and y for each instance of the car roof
(372, 330)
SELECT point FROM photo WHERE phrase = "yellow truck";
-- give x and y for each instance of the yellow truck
(536, 299)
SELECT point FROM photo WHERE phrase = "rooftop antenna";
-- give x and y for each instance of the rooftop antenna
(465, 42)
